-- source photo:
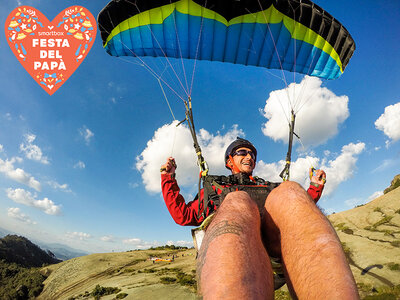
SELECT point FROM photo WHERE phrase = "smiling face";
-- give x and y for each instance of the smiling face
(244, 163)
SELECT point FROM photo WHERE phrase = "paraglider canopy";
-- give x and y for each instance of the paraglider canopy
(293, 35)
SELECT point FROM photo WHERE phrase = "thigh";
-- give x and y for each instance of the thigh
(232, 261)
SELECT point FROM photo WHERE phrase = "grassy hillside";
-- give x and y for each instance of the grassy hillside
(371, 238)
(133, 273)
(370, 235)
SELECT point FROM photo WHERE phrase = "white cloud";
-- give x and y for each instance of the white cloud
(298, 170)
(78, 235)
(343, 167)
(137, 243)
(25, 197)
(337, 170)
(15, 213)
(359, 201)
(1, 148)
(353, 202)
(321, 112)
(181, 243)
(87, 134)
(8, 116)
(17, 174)
(107, 238)
(389, 122)
(375, 195)
(132, 241)
(63, 187)
(32, 151)
(80, 165)
(133, 185)
(178, 141)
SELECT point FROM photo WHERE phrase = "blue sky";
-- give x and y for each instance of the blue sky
(81, 167)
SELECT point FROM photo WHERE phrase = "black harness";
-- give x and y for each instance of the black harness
(217, 187)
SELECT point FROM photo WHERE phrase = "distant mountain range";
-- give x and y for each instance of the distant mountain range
(60, 251)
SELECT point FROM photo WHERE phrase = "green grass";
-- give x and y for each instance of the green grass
(384, 220)
(393, 266)
(180, 277)
(167, 280)
(100, 291)
(395, 244)
(17, 282)
(368, 292)
(346, 249)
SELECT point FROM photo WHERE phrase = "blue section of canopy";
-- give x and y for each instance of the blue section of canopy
(244, 43)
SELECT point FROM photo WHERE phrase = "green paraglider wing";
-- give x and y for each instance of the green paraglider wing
(294, 35)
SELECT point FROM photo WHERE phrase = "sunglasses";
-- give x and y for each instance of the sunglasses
(244, 153)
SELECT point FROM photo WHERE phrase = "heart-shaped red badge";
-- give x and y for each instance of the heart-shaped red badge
(50, 51)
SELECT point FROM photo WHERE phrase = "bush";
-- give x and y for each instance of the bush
(389, 232)
(346, 249)
(394, 267)
(385, 220)
(100, 291)
(395, 244)
(121, 296)
(149, 271)
(17, 282)
(348, 231)
(167, 280)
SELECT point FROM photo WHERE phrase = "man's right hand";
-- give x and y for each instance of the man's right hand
(169, 167)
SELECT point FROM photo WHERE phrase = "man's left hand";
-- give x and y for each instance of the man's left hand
(318, 177)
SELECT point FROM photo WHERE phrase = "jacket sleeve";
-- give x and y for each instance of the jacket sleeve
(182, 213)
(315, 192)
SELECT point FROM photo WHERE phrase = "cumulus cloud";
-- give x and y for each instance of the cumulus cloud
(25, 197)
(87, 134)
(319, 112)
(15, 213)
(181, 243)
(1, 148)
(32, 151)
(78, 235)
(343, 167)
(17, 174)
(389, 122)
(80, 165)
(338, 170)
(178, 141)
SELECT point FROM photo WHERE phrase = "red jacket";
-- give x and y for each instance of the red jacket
(186, 214)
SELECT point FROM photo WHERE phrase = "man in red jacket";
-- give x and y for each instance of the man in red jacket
(233, 260)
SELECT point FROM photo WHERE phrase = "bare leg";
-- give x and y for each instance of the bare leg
(233, 263)
(315, 263)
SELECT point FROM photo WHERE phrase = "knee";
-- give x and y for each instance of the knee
(287, 197)
(239, 202)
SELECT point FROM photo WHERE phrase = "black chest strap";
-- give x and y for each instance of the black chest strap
(216, 188)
